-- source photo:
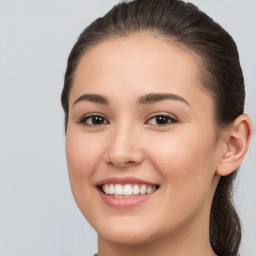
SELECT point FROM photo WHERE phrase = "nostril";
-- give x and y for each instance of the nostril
(121, 163)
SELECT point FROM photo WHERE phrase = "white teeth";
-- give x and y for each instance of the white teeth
(149, 189)
(143, 189)
(111, 189)
(118, 190)
(127, 189)
(105, 188)
(136, 189)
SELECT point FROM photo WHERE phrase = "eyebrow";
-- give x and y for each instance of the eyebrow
(145, 99)
(156, 97)
(95, 98)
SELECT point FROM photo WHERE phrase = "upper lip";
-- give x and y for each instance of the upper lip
(123, 180)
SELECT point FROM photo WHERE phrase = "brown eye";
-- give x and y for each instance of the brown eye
(161, 120)
(93, 120)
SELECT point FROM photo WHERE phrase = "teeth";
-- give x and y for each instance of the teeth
(136, 189)
(149, 189)
(127, 189)
(111, 189)
(106, 189)
(143, 189)
(118, 190)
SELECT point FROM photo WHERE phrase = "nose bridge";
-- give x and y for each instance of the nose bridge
(124, 147)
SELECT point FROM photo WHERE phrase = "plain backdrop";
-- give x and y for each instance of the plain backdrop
(38, 216)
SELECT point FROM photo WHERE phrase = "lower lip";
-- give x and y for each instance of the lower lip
(125, 202)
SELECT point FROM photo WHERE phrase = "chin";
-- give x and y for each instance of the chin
(129, 235)
(126, 239)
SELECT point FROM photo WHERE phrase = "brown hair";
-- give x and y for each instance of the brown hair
(221, 74)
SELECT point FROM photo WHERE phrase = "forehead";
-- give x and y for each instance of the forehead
(137, 50)
(138, 64)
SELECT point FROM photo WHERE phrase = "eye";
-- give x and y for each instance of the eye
(93, 120)
(161, 120)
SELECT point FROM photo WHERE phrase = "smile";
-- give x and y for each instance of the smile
(127, 190)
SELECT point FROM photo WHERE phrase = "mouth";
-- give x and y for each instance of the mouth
(127, 190)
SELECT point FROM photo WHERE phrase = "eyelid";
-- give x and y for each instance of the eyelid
(170, 117)
(83, 119)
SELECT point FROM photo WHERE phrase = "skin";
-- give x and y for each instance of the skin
(183, 156)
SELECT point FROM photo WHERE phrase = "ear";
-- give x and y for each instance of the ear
(235, 143)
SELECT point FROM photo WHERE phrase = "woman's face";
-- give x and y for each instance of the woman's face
(139, 122)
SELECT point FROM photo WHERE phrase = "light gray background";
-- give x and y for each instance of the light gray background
(38, 216)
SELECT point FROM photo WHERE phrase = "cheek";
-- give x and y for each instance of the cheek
(83, 153)
(186, 160)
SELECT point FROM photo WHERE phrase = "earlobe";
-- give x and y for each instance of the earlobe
(236, 142)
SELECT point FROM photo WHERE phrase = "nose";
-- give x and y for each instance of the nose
(123, 148)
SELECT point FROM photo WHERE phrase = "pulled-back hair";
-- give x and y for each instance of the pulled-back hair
(221, 76)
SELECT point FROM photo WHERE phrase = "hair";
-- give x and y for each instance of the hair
(221, 75)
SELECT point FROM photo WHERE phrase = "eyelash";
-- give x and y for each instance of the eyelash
(84, 119)
(168, 118)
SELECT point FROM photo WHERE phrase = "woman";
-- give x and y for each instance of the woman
(155, 130)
